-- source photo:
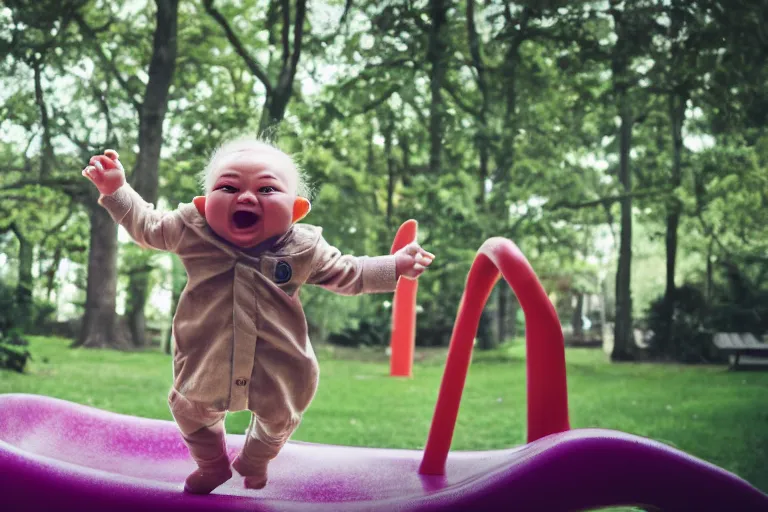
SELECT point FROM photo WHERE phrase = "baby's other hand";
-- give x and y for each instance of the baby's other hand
(106, 172)
(412, 260)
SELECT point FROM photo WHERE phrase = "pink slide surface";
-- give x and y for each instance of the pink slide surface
(56, 455)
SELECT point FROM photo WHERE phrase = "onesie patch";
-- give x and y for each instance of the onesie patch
(283, 272)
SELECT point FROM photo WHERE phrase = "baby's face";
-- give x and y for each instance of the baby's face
(252, 196)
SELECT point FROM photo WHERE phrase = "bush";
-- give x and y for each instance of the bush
(687, 337)
(375, 330)
(13, 352)
(8, 307)
(366, 333)
(41, 312)
(739, 305)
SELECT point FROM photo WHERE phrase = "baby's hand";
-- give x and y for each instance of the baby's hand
(106, 172)
(412, 260)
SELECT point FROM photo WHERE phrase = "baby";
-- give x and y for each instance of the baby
(239, 329)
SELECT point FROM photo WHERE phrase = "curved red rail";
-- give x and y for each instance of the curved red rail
(545, 351)
(403, 310)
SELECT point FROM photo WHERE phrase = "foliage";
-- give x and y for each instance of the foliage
(368, 333)
(527, 98)
(737, 304)
(433, 328)
(43, 312)
(13, 350)
(687, 338)
(8, 307)
(13, 345)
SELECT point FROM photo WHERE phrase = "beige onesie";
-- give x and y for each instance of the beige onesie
(240, 332)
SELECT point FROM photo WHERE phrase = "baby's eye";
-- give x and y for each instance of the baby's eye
(267, 190)
(227, 188)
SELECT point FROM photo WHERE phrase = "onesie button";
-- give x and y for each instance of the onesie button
(240, 382)
(283, 272)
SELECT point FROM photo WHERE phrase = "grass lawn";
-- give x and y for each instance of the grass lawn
(717, 415)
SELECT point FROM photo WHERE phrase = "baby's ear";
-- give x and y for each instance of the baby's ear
(199, 203)
(301, 208)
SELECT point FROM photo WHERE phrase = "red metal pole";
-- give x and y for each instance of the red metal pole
(403, 336)
(545, 351)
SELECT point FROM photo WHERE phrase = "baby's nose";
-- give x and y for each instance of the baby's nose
(246, 197)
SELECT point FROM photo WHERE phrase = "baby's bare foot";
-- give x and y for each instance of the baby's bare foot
(255, 478)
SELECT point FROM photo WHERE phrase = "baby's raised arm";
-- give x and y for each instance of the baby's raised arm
(352, 275)
(149, 228)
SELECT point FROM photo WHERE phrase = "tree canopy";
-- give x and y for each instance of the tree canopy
(599, 136)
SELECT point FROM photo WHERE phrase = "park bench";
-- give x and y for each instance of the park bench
(738, 344)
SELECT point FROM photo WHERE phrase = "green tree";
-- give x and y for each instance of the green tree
(285, 24)
(151, 110)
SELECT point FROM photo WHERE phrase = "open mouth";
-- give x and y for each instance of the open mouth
(245, 220)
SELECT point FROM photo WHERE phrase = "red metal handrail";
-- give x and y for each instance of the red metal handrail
(545, 350)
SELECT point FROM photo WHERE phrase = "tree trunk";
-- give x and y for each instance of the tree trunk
(677, 104)
(50, 274)
(436, 57)
(25, 282)
(623, 345)
(677, 117)
(481, 138)
(47, 156)
(623, 336)
(505, 156)
(272, 113)
(178, 281)
(710, 273)
(501, 312)
(405, 148)
(138, 288)
(483, 148)
(576, 319)
(389, 127)
(498, 217)
(277, 98)
(514, 306)
(151, 117)
(277, 95)
(370, 174)
(485, 330)
(99, 321)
